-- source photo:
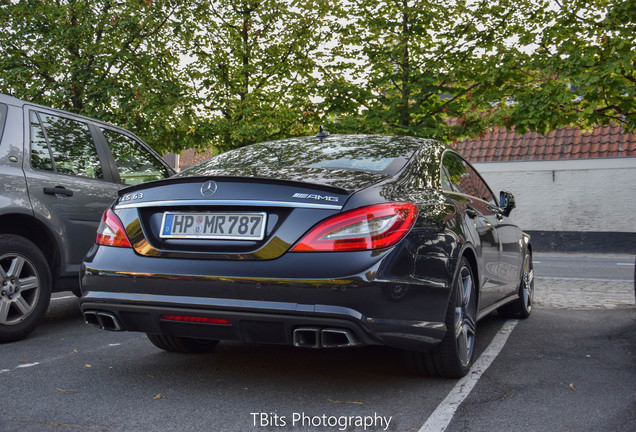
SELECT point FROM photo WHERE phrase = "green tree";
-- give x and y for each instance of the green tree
(452, 69)
(409, 66)
(115, 61)
(252, 68)
(582, 71)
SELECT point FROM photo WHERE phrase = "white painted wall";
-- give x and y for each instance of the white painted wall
(568, 195)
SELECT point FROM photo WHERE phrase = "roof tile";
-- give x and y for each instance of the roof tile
(563, 143)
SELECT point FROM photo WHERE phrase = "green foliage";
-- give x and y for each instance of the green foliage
(581, 71)
(447, 70)
(115, 61)
(252, 68)
(421, 67)
(225, 73)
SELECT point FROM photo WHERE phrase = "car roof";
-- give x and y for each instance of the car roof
(10, 100)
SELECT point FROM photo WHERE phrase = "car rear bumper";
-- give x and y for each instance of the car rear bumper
(362, 307)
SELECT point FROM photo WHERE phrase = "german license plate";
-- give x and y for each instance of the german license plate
(214, 226)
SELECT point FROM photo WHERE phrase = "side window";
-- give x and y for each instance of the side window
(3, 117)
(134, 163)
(40, 154)
(478, 186)
(64, 146)
(456, 171)
(464, 179)
(446, 184)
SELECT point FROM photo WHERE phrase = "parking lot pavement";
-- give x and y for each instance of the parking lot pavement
(573, 293)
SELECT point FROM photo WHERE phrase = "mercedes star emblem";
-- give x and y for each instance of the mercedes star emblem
(208, 189)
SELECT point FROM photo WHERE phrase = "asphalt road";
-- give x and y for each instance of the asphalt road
(584, 266)
(569, 370)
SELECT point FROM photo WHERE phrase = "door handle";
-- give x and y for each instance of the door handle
(58, 190)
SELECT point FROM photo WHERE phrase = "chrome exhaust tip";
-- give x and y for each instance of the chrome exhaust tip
(307, 337)
(337, 338)
(90, 318)
(103, 320)
(109, 321)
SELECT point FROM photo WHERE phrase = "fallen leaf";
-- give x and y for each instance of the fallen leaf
(87, 365)
(75, 351)
(67, 391)
(245, 388)
(150, 376)
(572, 387)
(341, 402)
(24, 361)
(159, 396)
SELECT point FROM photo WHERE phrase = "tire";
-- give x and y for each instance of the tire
(521, 307)
(182, 344)
(453, 357)
(25, 287)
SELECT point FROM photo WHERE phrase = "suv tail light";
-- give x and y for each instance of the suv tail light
(366, 228)
(111, 232)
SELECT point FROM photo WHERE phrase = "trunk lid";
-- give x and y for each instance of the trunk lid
(231, 214)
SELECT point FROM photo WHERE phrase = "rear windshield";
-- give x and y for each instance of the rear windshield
(359, 153)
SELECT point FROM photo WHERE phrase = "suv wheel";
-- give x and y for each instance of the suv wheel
(25, 287)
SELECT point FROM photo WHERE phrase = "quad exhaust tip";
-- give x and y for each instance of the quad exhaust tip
(103, 320)
(313, 337)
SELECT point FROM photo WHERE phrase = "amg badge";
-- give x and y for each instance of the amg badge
(316, 197)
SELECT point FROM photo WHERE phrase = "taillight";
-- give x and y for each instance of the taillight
(373, 227)
(111, 232)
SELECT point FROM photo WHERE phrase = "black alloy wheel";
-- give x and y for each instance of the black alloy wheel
(25, 287)
(453, 357)
(522, 307)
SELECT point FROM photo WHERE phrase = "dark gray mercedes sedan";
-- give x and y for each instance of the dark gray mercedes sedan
(323, 242)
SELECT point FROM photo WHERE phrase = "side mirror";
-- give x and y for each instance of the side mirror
(507, 202)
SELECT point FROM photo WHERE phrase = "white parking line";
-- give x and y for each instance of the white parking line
(28, 365)
(443, 414)
(626, 264)
(62, 298)
(57, 358)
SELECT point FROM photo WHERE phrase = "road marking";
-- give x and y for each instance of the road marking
(62, 298)
(443, 414)
(582, 279)
(57, 358)
(28, 365)
(626, 264)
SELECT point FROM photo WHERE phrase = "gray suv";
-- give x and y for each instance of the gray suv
(58, 173)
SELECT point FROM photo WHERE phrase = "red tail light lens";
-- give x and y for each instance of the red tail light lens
(373, 227)
(111, 232)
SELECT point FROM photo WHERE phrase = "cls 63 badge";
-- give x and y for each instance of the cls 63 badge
(131, 197)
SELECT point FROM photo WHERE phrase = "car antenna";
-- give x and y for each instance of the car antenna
(322, 134)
